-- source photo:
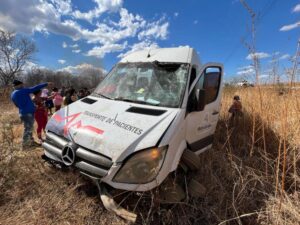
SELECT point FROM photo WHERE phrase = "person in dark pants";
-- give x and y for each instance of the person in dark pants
(21, 98)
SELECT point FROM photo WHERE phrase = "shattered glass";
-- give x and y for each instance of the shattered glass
(160, 84)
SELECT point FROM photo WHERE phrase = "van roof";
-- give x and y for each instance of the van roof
(179, 54)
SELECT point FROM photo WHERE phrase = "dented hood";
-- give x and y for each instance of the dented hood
(112, 128)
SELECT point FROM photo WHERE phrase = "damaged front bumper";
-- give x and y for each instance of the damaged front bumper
(89, 163)
(59, 150)
(65, 153)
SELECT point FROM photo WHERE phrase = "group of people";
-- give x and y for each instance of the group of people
(36, 103)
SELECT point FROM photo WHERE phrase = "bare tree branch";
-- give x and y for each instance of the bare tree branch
(15, 52)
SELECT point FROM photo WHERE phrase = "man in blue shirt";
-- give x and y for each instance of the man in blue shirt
(21, 98)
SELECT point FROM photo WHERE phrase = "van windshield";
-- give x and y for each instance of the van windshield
(160, 84)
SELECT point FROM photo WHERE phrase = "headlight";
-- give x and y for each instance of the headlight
(142, 167)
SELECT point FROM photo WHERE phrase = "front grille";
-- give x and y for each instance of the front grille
(90, 163)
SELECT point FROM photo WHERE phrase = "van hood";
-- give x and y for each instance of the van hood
(112, 128)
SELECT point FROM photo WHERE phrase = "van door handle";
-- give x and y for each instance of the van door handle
(215, 113)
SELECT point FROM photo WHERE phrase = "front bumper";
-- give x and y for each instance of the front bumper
(92, 164)
(89, 163)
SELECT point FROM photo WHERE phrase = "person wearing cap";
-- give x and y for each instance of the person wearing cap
(235, 110)
(22, 99)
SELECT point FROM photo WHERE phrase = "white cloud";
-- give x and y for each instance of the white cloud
(245, 67)
(63, 6)
(78, 69)
(285, 56)
(296, 8)
(246, 71)
(112, 32)
(29, 66)
(61, 61)
(139, 46)
(28, 16)
(258, 55)
(264, 76)
(185, 46)
(64, 45)
(102, 6)
(74, 46)
(157, 30)
(290, 26)
(58, 17)
(101, 51)
(176, 14)
(76, 50)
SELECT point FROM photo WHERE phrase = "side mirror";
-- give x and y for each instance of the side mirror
(201, 100)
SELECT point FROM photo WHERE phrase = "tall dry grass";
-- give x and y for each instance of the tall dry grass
(251, 174)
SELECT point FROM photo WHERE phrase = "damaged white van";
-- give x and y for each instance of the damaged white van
(131, 132)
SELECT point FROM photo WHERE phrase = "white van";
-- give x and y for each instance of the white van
(131, 132)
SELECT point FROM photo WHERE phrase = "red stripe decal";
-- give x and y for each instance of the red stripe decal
(77, 124)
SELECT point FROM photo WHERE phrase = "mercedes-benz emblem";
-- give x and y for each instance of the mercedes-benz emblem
(68, 155)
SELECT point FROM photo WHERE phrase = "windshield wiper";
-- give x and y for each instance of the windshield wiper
(103, 96)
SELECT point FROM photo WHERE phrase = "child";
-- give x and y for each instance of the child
(70, 97)
(40, 114)
(235, 109)
(57, 99)
(81, 94)
(86, 91)
(49, 102)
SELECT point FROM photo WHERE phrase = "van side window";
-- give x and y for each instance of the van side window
(199, 86)
(193, 98)
(211, 86)
(209, 81)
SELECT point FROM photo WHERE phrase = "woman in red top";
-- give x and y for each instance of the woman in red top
(40, 114)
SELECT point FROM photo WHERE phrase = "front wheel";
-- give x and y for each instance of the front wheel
(191, 159)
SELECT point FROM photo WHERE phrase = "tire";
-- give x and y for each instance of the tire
(191, 159)
(196, 189)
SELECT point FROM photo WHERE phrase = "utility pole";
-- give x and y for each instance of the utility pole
(274, 76)
(252, 46)
(294, 73)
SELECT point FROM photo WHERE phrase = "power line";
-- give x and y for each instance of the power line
(266, 9)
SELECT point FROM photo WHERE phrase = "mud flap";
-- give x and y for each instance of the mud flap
(111, 205)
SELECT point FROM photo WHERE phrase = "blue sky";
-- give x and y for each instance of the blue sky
(98, 32)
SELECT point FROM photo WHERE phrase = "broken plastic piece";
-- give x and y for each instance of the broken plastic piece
(111, 205)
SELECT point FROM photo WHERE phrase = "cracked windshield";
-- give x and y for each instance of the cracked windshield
(146, 83)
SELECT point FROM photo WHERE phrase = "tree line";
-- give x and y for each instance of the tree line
(16, 51)
(88, 78)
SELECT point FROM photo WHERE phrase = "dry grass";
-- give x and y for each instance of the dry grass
(252, 174)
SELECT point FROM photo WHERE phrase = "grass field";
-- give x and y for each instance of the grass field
(252, 174)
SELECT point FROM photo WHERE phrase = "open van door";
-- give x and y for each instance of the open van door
(203, 107)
